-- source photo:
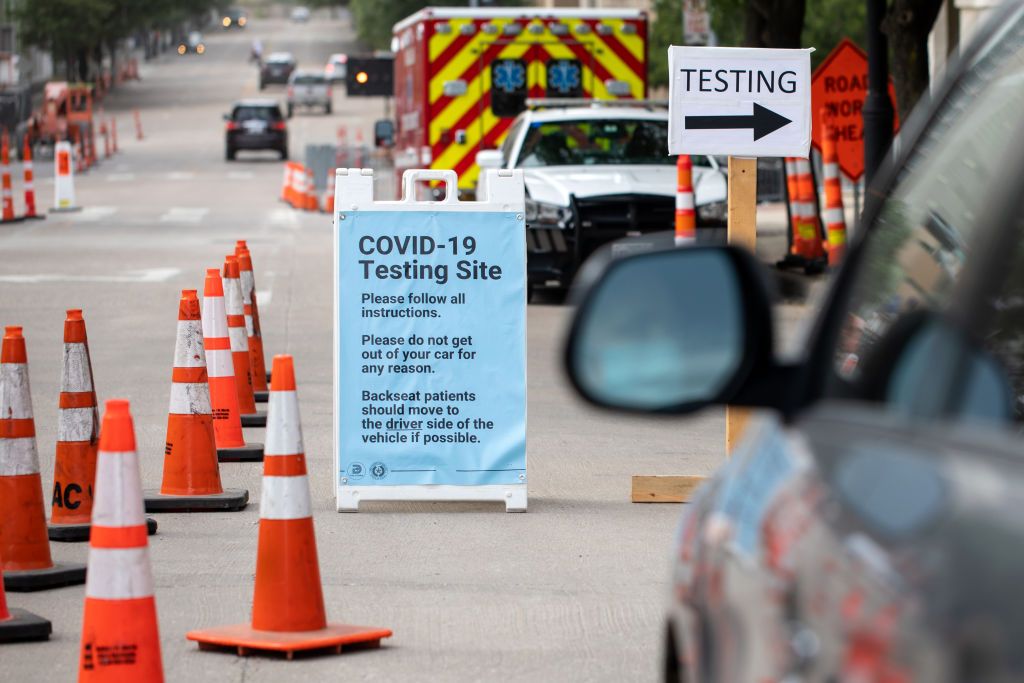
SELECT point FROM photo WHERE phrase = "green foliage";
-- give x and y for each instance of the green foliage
(828, 21)
(373, 19)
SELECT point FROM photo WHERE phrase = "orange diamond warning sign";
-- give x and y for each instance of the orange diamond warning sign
(838, 87)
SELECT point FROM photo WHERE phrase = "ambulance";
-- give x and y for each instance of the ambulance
(462, 75)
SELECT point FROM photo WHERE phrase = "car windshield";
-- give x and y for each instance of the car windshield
(309, 79)
(595, 141)
(250, 113)
(195, 37)
(279, 57)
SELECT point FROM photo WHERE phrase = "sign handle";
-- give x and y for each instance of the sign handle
(742, 231)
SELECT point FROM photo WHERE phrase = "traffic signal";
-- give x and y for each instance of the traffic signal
(370, 76)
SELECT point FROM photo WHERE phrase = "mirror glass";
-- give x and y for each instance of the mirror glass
(661, 330)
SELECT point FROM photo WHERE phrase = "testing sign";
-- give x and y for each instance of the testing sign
(430, 346)
(749, 102)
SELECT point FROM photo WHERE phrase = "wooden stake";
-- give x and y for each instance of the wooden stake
(742, 231)
(664, 488)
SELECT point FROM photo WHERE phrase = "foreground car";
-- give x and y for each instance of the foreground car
(866, 528)
(193, 44)
(254, 125)
(596, 174)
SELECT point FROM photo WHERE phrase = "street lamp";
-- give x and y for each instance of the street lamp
(878, 109)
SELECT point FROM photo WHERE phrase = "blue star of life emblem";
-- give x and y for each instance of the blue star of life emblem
(564, 75)
(509, 75)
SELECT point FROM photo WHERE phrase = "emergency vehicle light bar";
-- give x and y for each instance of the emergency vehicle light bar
(544, 102)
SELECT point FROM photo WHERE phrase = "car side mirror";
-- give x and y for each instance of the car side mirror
(384, 133)
(672, 331)
(490, 158)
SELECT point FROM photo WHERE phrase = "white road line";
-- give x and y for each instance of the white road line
(263, 297)
(120, 177)
(146, 275)
(183, 214)
(240, 175)
(181, 175)
(92, 214)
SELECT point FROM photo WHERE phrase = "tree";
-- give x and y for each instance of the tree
(907, 25)
(373, 19)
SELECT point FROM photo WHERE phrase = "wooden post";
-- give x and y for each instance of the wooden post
(742, 231)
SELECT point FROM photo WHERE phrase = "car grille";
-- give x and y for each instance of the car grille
(607, 218)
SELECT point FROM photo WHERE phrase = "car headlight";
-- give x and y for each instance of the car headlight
(241, 21)
(713, 212)
(200, 48)
(550, 215)
(182, 49)
(226, 21)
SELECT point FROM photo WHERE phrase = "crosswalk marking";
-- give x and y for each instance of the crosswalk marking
(120, 177)
(240, 175)
(180, 175)
(92, 214)
(145, 275)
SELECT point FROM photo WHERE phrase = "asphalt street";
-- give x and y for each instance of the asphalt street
(572, 590)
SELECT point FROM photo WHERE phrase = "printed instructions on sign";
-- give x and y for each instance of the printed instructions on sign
(433, 377)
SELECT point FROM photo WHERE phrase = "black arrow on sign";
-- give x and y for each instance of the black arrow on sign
(763, 122)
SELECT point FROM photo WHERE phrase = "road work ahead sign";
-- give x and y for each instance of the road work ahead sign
(430, 342)
(739, 101)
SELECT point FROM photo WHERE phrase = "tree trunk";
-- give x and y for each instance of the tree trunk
(774, 23)
(907, 26)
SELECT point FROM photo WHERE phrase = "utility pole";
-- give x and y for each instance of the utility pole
(878, 108)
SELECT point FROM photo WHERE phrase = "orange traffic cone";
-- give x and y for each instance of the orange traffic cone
(288, 606)
(29, 178)
(251, 417)
(260, 377)
(120, 640)
(74, 468)
(686, 215)
(835, 217)
(227, 424)
(24, 546)
(18, 624)
(5, 170)
(191, 481)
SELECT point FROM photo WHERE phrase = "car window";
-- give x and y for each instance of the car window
(310, 79)
(250, 113)
(595, 141)
(920, 245)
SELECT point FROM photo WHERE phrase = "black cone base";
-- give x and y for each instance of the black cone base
(24, 626)
(70, 574)
(231, 500)
(79, 533)
(261, 396)
(257, 419)
(250, 452)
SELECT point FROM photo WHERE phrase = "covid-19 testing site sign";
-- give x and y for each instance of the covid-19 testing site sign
(430, 342)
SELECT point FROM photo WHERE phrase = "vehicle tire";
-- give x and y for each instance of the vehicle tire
(327, 109)
(671, 671)
(229, 153)
(291, 110)
(283, 153)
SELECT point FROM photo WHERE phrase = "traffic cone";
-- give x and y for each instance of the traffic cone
(191, 480)
(24, 546)
(288, 612)
(251, 417)
(835, 217)
(18, 624)
(686, 215)
(260, 377)
(29, 176)
(105, 132)
(5, 169)
(311, 202)
(64, 178)
(808, 242)
(120, 639)
(138, 125)
(74, 467)
(286, 183)
(227, 425)
(113, 134)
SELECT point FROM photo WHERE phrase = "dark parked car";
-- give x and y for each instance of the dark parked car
(276, 68)
(255, 124)
(234, 17)
(868, 527)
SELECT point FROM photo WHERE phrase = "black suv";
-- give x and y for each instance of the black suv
(255, 124)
